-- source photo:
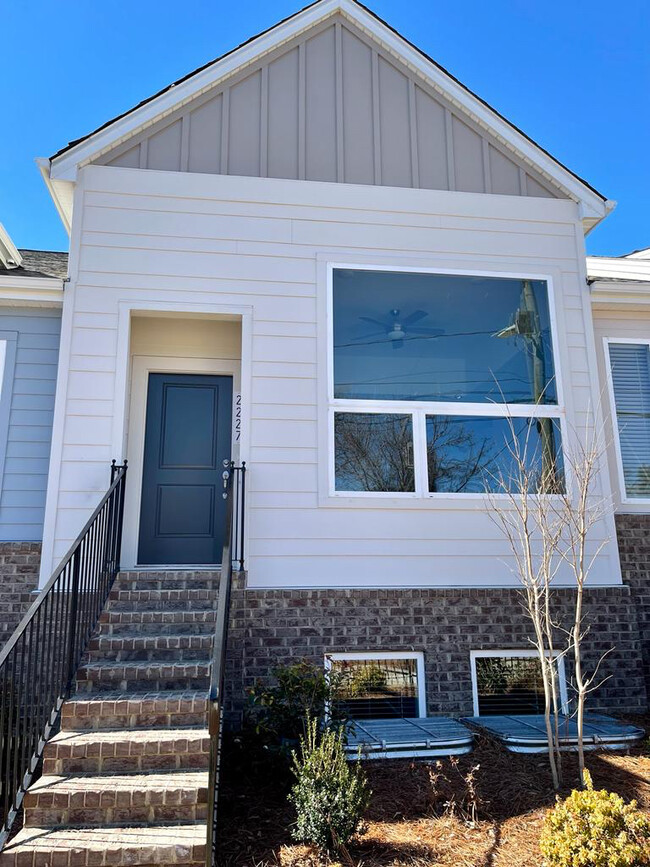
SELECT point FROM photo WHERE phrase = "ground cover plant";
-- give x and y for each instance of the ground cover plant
(422, 815)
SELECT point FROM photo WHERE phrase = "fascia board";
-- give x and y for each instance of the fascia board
(619, 268)
(604, 292)
(46, 173)
(65, 167)
(8, 251)
(45, 291)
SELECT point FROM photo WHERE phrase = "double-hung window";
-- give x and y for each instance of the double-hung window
(433, 378)
(629, 364)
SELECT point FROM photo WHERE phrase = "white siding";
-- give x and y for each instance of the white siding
(149, 237)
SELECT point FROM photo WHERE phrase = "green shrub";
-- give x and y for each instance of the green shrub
(330, 794)
(596, 829)
(302, 691)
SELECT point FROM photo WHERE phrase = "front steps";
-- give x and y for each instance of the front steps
(125, 780)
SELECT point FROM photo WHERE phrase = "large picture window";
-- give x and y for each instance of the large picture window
(630, 379)
(437, 379)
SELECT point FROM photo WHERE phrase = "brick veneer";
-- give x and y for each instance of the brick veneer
(273, 627)
(19, 565)
(633, 533)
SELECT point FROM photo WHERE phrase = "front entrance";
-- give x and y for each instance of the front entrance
(187, 438)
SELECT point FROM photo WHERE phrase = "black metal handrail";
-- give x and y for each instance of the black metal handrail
(234, 484)
(38, 663)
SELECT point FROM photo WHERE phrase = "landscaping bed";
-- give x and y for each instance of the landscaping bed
(420, 813)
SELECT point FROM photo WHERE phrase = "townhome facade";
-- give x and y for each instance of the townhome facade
(323, 256)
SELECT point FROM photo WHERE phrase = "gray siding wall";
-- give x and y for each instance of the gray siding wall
(331, 106)
(26, 410)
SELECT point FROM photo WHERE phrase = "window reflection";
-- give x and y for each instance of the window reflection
(441, 337)
(373, 452)
(475, 454)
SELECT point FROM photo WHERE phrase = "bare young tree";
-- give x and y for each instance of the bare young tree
(534, 533)
(549, 526)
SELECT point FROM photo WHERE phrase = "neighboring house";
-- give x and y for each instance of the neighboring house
(620, 293)
(31, 297)
(324, 256)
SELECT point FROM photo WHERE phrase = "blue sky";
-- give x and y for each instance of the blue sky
(574, 75)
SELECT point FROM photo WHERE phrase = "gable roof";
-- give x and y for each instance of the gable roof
(64, 164)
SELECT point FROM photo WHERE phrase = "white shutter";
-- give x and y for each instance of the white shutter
(630, 366)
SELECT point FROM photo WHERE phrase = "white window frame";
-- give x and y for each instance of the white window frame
(419, 410)
(369, 656)
(635, 341)
(509, 654)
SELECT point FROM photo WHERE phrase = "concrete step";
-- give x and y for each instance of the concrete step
(155, 600)
(100, 676)
(113, 847)
(177, 580)
(137, 751)
(120, 710)
(86, 800)
(137, 647)
(157, 622)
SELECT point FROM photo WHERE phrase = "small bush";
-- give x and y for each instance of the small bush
(303, 691)
(330, 794)
(596, 829)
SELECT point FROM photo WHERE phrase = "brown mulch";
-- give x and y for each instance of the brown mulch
(413, 821)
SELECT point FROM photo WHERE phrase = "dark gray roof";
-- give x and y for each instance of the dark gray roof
(39, 263)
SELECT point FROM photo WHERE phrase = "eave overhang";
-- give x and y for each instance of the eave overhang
(60, 172)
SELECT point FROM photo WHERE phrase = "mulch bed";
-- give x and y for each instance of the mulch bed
(418, 816)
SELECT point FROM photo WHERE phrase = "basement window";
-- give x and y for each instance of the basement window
(508, 682)
(379, 685)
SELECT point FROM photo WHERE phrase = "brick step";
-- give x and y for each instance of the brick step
(181, 580)
(154, 600)
(119, 710)
(137, 751)
(143, 676)
(136, 647)
(113, 847)
(157, 622)
(116, 799)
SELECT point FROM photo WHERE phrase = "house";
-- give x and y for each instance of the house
(323, 257)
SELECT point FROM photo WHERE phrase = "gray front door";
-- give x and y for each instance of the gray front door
(187, 438)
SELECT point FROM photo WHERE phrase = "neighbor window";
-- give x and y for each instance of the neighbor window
(378, 685)
(506, 682)
(630, 376)
(438, 379)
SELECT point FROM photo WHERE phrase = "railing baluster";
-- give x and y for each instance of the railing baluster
(39, 662)
(233, 548)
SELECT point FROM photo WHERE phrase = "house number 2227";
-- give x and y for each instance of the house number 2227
(237, 419)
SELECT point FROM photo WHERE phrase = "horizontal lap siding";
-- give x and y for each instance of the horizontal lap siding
(150, 236)
(30, 395)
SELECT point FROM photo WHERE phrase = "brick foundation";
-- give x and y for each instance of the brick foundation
(633, 532)
(19, 566)
(274, 627)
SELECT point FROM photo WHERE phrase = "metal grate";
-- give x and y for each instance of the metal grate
(377, 688)
(509, 685)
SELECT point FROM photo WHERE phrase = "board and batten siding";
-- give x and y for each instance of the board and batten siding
(146, 237)
(331, 105)
(26, 411)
